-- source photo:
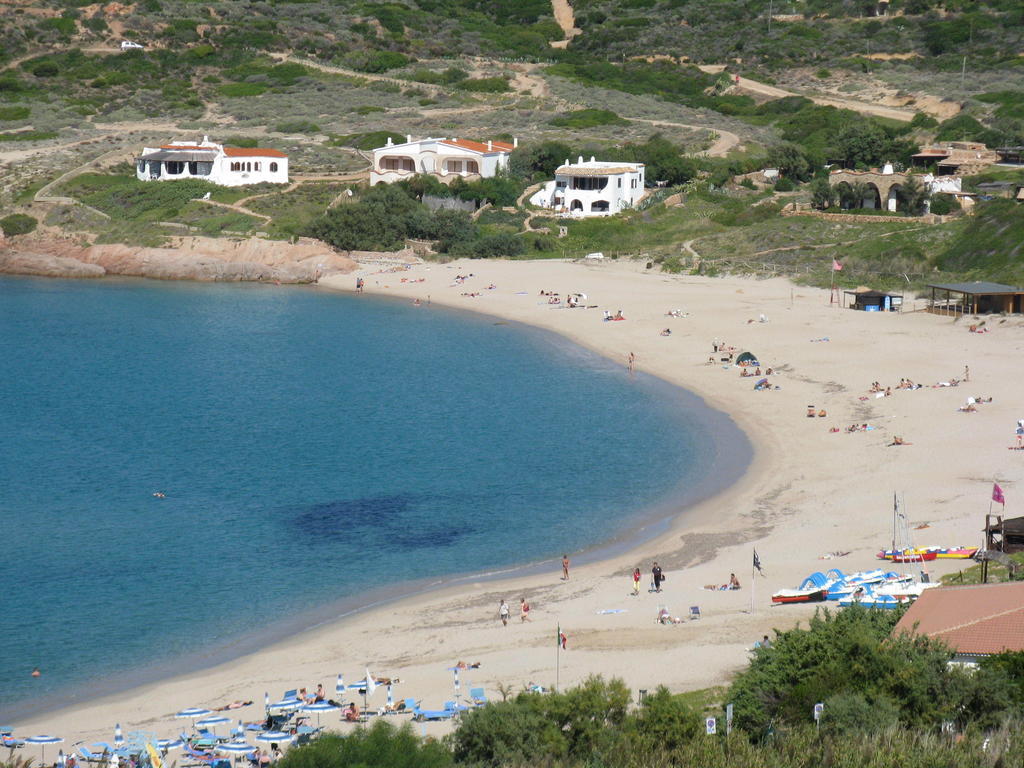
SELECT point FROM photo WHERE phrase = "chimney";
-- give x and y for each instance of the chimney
(515, 142)
(390, 143)
(887, 169)
(579, 159)
(592, 158)
(408, 138)
(490, 145)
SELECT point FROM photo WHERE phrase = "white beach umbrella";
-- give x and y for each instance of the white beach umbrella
(457, 686)
(166, 745)
(42, 741)
(193, 712)
(285, 704)
(390, 702)
(212, 722)
(118, 736)
(274, 737)
(266, 700)
(339, 687)
(234, 748)
(320, 707)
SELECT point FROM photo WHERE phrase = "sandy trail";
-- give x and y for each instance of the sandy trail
(565, 18)
(865, 108)
(809, 492)
(724, 144)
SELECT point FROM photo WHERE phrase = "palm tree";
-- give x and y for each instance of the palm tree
(914, 195)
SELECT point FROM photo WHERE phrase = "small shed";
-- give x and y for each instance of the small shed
(1005, 535)
(975, 298)
(874, 301)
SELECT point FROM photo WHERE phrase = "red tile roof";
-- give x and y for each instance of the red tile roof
(978, 619)
(255, 152)
(476, 146)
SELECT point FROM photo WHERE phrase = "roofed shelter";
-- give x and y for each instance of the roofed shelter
(977, 620)
(875, 301)
(975, 298)
(1005, 535)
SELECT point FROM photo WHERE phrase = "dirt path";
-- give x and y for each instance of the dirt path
(720, 148)
(566, 20)
(865, 108)
(330, 69)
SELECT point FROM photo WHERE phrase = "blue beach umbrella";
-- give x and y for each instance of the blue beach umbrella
(266, 700)
(285, 704)
(235, 748)
(118, 736)
(274, 737)
(320, 707)
(339, 687)
(390, 702)
(42, 741)
(193, 712)
(166, 745)
(212, 722)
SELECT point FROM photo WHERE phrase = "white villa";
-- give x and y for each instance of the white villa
(445, 159)
(592, 188)
(227, 166)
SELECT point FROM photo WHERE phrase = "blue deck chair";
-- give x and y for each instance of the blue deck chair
(454, 706)
(90, 757)
(694, 611)
(477, 696)
(433, 714)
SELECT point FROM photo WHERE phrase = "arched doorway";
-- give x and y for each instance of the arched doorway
(576, 205)
(873, 198)
(894, 198)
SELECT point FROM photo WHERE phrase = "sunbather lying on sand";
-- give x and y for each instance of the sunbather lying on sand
(233, 705)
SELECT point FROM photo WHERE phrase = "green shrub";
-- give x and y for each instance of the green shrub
(587, 118)
(485, 85)
(28, 136)
(784, 185)
(943, 204)
(367, 141)
(297, 126)
(18, 224)
(46, 69)
(367, 109)
(65, 26)
(381, 744)
(14, 113)
(922, 120)
(823, 74)
(241, 90)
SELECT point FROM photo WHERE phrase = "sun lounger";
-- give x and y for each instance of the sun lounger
(477, 696)
(454, 706)
(433, 714)
(10, 742)
(694, 611)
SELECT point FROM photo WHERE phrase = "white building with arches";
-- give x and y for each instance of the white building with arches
(444, 159)
(592, 188)
(216, 163)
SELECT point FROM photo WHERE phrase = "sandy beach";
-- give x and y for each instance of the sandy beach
(808, 493)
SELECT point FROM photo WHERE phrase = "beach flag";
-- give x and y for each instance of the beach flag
(371, 684)
(997, 494)
(339, 686)
(757, 563)
(562, 639)
(836, 266)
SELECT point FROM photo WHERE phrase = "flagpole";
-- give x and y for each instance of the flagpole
(752, 582)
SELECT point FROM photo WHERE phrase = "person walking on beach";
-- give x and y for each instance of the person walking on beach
(565, 567)
(503, 613)
(524, 610)
(631, 362)
(636, 581)
(658, 577)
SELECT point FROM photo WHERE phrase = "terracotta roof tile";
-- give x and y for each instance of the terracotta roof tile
(476, 146)
(977, 619)
(255, 152)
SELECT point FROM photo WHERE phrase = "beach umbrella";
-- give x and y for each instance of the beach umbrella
(339, 687)
(390, 702)
(266, 700)
(457, 687)
(274, 737)
(193, 712)
(319, 707)
(212, 721)
(371, 684)
(285, 704)
(166, 745)
(235, 748)
(118, 736)
(239, 731)
(61, 758)
(42, 741)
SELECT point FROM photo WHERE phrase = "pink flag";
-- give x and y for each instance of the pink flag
(836, 266)
(997, 494)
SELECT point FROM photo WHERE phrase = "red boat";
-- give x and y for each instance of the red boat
(913, 557)
(800, 595)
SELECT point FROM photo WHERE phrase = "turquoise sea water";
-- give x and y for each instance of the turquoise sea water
(312, 448)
